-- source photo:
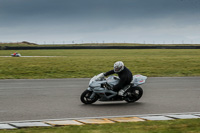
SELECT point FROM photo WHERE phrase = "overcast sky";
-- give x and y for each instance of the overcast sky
(87, 21)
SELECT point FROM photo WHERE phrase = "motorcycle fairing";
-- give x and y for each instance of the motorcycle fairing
(112, 80)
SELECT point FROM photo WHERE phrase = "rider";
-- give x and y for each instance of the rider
(124, 74)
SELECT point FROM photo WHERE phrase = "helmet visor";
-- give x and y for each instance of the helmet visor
(117, 69)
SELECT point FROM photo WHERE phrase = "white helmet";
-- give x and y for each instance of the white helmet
(118, 66)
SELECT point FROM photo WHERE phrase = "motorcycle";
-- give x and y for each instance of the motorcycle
(16, 55)
(100, 88)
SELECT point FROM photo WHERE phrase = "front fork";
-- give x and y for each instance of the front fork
(93, 94)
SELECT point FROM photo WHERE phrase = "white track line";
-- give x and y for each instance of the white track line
(33, 56)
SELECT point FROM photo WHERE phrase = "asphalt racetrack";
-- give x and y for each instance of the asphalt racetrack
(35, 99)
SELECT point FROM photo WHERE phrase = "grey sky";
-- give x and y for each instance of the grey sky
(64, 21)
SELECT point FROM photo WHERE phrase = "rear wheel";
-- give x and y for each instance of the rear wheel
(134, 94)
(85, 97)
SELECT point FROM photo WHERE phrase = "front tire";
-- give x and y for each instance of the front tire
(85, 97)
(134, 94)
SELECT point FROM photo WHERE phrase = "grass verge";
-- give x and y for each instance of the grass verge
(172, 126)
(86, 63)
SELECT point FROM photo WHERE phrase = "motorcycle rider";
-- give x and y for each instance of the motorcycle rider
(124, 74)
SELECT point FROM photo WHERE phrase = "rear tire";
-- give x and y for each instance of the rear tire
(134, 94)
(85, 97)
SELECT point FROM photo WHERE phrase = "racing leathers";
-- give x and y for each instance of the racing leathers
(125, 78)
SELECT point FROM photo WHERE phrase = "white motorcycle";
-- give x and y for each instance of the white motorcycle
(101, 89)
(16, 55)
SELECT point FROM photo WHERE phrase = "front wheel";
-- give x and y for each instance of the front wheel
(134, 94)
(85, 97)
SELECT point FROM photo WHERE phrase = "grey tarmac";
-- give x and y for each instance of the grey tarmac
(34, 99)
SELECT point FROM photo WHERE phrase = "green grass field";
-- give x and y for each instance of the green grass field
(87, 63)
(172, 126)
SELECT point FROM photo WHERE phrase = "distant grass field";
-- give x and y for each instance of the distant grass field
(86, 63)
(91, 44)
(172, 126)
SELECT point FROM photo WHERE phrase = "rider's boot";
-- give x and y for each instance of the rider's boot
(121, 92)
